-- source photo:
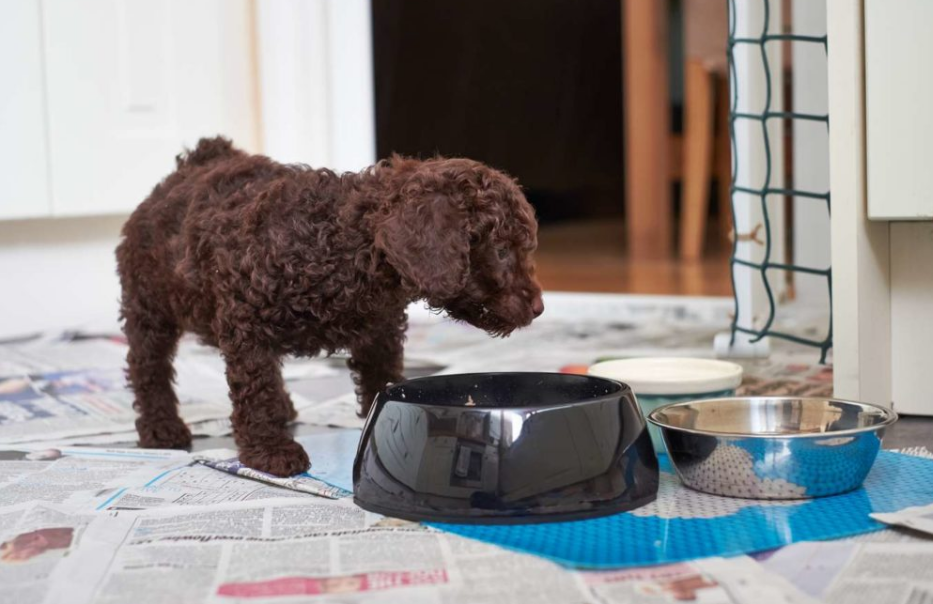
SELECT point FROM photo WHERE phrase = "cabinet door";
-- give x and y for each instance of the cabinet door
(131, 83)
(24, 186)
(899, 124)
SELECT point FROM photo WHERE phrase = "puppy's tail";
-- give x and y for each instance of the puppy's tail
(207, 150)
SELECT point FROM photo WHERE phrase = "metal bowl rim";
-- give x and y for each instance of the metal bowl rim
(890, 417)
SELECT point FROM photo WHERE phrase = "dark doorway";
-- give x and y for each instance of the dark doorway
(532, 87)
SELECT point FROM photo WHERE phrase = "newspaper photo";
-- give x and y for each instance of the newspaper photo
(35, 538)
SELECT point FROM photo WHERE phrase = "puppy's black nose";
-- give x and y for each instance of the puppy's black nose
(537, 306)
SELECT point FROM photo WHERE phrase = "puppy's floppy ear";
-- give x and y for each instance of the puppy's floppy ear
(426, 240)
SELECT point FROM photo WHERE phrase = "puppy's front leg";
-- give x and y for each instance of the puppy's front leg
(261, 412)
(375, 362)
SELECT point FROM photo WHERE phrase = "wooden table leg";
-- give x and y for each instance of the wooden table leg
(698, 158)
(723, 158)
(647, 128)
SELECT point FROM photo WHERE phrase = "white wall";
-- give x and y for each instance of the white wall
(24, 143)
(58, 273)
(811, 153)
(97, 97)
(316, 77)
(316, 100)
(95, 102)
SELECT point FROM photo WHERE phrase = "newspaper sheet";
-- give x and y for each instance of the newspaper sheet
(53, 390)
(80, 478)
(63, 391)
(89, 479)
(330, 551)
(546, 346)
(917, 518)
(572, 346)
(210, 427)
(193, 484)
(46, 356)
(226, 460)
(859, 571)
(331, 465)
(338, 412)
(118, 525)
(718, 580)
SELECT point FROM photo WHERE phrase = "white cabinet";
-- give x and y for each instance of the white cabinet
(24, 184)
(128, 84)
(880, 129)
(899, 124)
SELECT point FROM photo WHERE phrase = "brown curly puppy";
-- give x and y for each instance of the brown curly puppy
(263, 259)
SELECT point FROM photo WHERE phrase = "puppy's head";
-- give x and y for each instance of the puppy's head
(462, 237)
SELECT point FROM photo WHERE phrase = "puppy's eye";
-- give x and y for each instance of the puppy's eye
(502, 253)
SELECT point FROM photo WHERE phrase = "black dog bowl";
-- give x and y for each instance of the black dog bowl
(505, 448)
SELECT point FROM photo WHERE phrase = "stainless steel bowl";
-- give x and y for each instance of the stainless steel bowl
(772, 448)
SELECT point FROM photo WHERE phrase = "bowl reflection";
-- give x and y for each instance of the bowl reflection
(773, 448)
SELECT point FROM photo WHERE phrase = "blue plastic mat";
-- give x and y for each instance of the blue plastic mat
(332, 456)
(682, 524)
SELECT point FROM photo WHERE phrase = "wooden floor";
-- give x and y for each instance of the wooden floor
(590, 257)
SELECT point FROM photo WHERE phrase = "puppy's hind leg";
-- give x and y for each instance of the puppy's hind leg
(152, 337)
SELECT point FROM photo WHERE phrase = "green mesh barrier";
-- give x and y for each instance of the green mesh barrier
(767, 190)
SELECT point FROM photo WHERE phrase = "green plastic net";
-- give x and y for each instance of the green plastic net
(767, 190)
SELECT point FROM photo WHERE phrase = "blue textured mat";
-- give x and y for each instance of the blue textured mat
(684, 525)
(332, 456)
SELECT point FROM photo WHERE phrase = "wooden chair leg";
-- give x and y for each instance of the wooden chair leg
(647, 108)
(698, 158)
(723, 167)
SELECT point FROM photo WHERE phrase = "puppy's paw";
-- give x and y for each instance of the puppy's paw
(163, 433)
(285, 458)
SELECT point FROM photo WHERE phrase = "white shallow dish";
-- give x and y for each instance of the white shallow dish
(661, 381)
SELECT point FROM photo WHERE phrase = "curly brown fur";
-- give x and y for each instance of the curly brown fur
(263, 260)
